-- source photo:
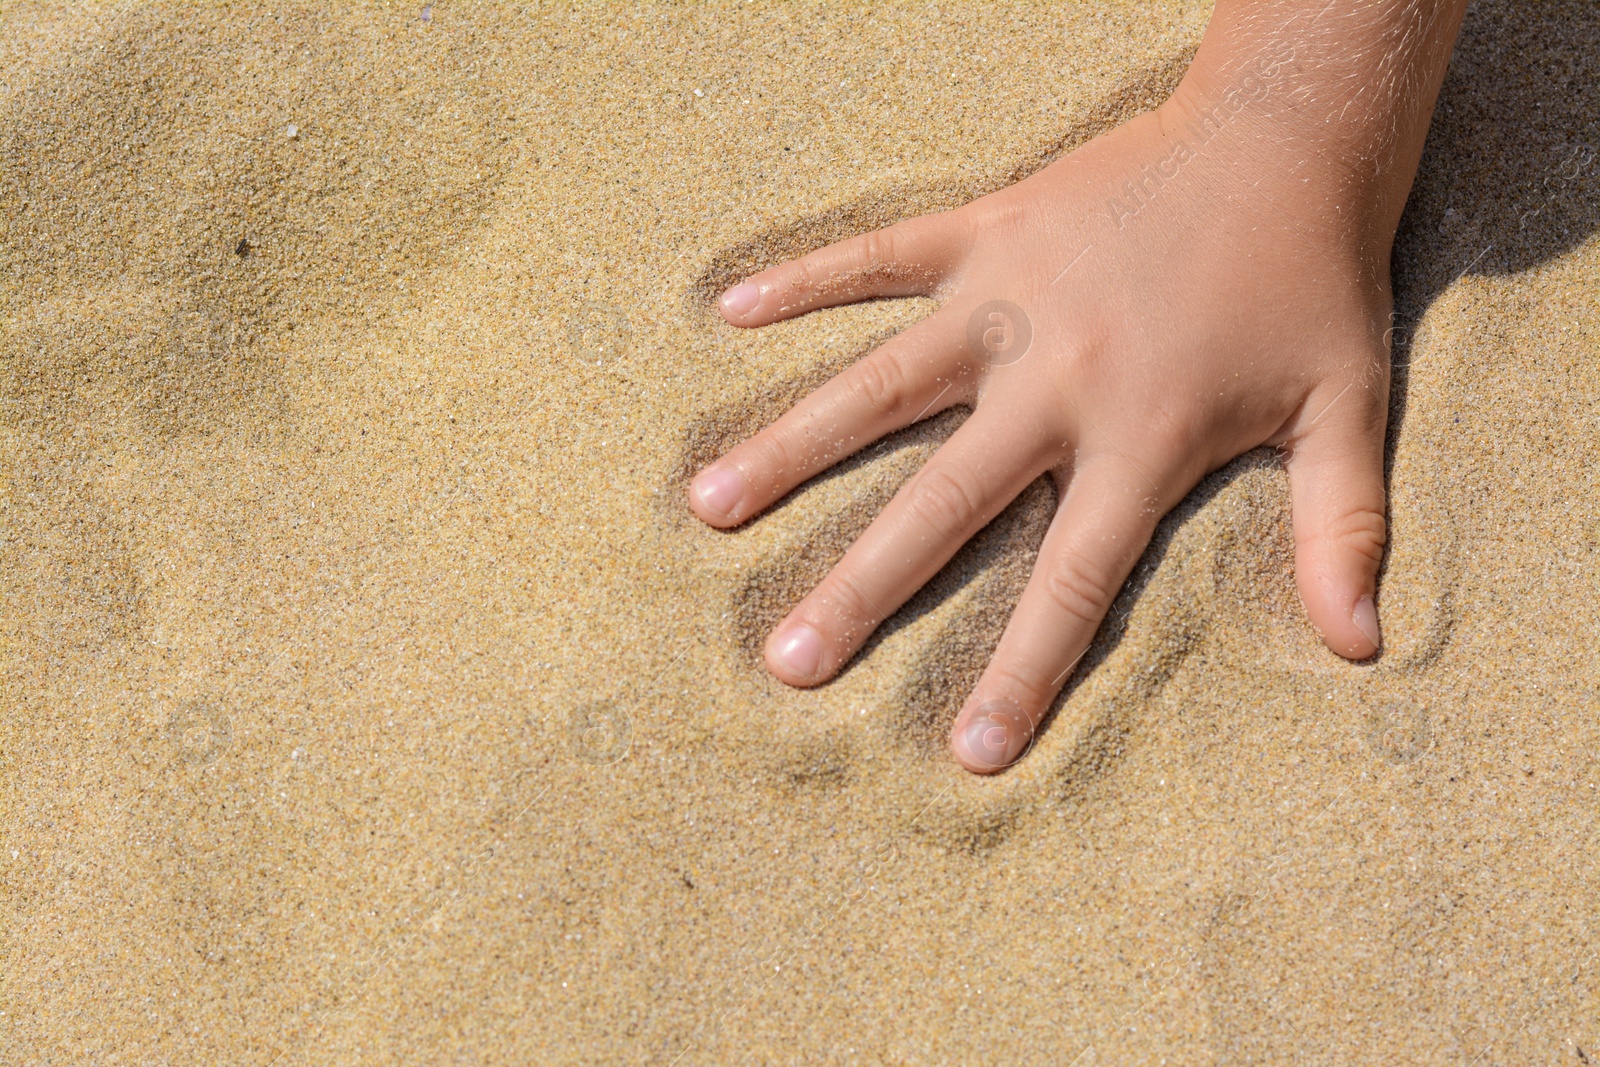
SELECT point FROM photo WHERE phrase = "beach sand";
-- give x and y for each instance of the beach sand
(371, 696)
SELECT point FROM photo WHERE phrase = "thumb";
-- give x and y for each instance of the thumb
(1337, 494)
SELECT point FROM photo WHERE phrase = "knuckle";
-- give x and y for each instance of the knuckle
(1000, 210)
(1358, 530)
(766, 455)
(848, 613)
(1026, 684)
(800, 276)
(879, 381)
(944, 501)
(1079, 587)
(1363, 532)
(880, 246)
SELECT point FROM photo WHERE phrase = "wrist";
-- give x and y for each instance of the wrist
(1248, 117)
(1339, 94)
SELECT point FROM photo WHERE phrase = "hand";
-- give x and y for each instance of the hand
(1187, 301)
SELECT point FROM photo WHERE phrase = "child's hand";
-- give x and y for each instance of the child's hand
(1173, 293)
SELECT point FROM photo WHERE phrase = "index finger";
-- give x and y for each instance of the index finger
(1099, 532)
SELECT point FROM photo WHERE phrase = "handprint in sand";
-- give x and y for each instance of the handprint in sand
(1210, 277)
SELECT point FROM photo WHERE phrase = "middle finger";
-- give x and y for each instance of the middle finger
(985, 464)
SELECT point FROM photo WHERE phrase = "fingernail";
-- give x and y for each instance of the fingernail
(719, 490)
(994, 736)
(741, 299)
(800, 649)
(1365, 618)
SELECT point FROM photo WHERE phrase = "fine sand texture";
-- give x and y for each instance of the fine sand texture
(370, 695)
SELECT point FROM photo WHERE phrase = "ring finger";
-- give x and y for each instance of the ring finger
(917, 373)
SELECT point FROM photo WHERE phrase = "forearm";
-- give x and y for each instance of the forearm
(1339, 91)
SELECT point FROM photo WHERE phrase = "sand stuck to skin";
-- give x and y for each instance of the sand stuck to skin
(370, 695)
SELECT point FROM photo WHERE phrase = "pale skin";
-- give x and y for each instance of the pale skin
(1210, 277)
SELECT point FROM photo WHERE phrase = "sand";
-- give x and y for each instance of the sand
(370, 695)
